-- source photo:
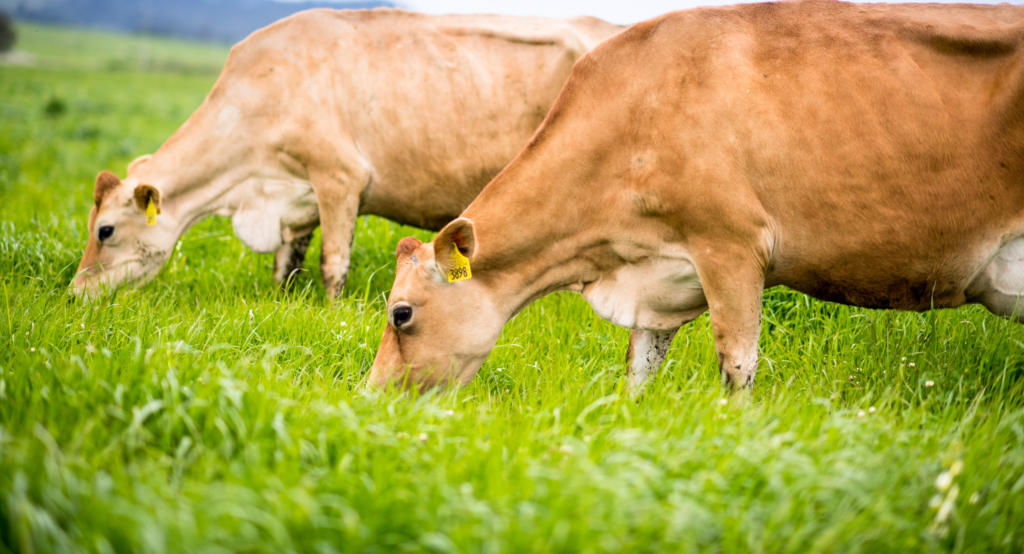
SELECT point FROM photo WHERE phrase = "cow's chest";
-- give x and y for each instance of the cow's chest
(271, 212)
(652, 293)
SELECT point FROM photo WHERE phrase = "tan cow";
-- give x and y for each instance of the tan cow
(328, 114)
(866, 154)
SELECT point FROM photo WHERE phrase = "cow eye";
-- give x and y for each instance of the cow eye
(105, 232)
(401, 314)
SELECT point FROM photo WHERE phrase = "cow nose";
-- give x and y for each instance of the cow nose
(388, 361)
(76, 289)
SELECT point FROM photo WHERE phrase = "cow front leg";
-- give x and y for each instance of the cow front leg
(289, 258)
(337, 225)
(733, 291)
(646, 353)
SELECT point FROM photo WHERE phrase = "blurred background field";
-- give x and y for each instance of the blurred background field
(209, 411)
(79, 49)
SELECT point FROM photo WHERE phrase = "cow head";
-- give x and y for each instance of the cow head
(130, 236)
(441, 325)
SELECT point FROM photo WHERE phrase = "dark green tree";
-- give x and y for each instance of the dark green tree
(7, 35)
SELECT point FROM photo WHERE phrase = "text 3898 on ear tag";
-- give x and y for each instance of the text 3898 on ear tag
(460, 270)
(151, 213)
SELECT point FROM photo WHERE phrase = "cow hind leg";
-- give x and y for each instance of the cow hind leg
(647, 351)
(1000, 286)
(288, 259)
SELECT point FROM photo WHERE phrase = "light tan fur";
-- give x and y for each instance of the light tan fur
(866, 154)
(329, 114)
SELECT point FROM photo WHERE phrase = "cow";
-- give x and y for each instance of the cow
(866, 154)
(328, 114)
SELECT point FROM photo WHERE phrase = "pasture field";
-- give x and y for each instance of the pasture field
(211, 412)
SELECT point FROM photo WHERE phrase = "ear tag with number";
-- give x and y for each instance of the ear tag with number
(460, 267)
(151, 212)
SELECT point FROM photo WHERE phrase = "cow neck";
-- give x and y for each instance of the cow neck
(195, 171)
(533, 236)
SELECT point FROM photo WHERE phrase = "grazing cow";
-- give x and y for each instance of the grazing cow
(865, 154)
(328, 114)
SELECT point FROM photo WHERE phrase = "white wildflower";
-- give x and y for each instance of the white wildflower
(947, 505)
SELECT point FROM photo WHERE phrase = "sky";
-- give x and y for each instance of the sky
(620, 11)
(616, 12)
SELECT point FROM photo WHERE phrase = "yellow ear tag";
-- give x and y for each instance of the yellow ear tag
(460, 267)
(151, 212)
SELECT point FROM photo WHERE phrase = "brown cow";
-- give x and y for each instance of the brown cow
(866, 154)
(328, 114)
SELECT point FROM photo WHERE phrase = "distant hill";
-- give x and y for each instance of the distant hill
(216, 20)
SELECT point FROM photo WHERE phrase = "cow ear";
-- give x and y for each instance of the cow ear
(105, 182)
(138, 161)
(144, 194)
(460, 234)
(407, 246)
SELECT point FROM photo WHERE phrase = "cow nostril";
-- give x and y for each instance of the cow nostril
(400, 315)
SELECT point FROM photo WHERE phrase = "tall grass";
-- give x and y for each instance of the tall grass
(209, 411)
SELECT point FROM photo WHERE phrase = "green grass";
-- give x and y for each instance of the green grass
(85, 49)
(208, 411)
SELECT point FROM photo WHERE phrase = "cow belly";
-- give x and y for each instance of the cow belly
(656, 294)
(274, 211)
